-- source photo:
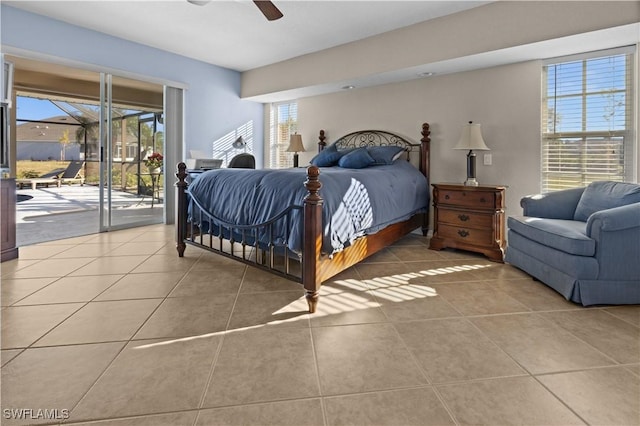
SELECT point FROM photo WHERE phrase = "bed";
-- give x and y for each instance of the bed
(360, 194)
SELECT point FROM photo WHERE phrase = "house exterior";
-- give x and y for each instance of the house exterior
(46, 140)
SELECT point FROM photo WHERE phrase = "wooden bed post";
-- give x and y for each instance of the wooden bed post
(312, 245)
(322, 143)
(181, 226)
(425, 161)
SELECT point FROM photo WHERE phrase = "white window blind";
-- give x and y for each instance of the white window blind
(283, 122)
(587, 120)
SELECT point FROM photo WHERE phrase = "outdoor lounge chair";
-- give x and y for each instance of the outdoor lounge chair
(57, 177)
(73, 173)
(45, 179)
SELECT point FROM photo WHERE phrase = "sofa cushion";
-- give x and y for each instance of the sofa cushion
(568, 236)
(605, 195)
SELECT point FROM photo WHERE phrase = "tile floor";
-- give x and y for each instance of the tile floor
(115, 329)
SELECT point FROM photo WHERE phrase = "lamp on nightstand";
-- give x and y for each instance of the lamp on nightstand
(471, 139)
(295, 146)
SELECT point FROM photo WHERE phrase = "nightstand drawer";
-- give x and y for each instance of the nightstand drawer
(475, 199)
(465, 218)
(480, 237)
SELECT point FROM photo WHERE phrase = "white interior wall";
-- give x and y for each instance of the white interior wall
(505, 100)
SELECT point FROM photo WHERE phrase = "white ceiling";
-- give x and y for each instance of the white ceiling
(233, 33)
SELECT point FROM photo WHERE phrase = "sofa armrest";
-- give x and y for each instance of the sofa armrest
(552, 205)
(615, 219)
(616, 232)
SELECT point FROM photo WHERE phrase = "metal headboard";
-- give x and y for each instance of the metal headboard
(365, 138)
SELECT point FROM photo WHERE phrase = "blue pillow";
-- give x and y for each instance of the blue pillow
(605, 195)
(327, 157)
(385, 154)
(356, 159)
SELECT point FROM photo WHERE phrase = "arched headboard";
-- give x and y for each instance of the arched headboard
(417, 153)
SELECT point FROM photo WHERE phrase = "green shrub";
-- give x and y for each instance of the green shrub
(29, 174)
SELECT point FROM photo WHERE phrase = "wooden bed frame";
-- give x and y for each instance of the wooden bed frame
(315, 266)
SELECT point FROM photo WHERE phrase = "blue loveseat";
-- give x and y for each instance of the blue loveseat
(583, 242)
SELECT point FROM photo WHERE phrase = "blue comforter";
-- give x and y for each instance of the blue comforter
(356, 201)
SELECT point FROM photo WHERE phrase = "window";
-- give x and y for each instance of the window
(587, 119)
(283, 122)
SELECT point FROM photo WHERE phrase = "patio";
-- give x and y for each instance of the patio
(72, 210)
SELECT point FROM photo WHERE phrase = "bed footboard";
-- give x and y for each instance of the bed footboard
(243, 243)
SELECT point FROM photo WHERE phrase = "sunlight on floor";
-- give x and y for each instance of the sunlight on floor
(343, 296)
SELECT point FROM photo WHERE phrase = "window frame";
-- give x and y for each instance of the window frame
(279, 137)
(579, 146)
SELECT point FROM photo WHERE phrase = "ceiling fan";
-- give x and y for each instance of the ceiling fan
(268, 9)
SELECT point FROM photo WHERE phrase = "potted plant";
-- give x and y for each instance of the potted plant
(154, 162)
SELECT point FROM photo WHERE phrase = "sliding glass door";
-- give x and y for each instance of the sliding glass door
(131, 154)
(96, 130)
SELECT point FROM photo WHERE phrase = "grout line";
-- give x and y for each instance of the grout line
(104, 371)
(557, 397)
(534, 376)
(608, 309)
(84, 304)
(323, 407)
(207, 384)
(126, 342)
(122, 349)
(426, 376)
(559, 326)
(214, 361)
(109, 420)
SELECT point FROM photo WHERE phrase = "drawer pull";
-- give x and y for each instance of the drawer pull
(463, 217)
(446, 197)
(463, 233)
(483, 200)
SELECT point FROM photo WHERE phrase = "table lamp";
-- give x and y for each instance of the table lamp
(295, 146)
(471, 139)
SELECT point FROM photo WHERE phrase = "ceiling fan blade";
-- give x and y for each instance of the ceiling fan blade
(268, 9)
(199, 2)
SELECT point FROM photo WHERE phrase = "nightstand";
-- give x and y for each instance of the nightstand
(469, 218)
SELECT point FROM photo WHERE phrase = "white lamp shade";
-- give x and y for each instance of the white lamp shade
(471, 138)
(295, 143)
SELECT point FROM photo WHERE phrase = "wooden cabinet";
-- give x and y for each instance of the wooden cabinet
(8, 220)
(469, 218)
